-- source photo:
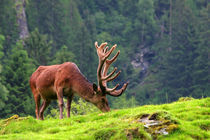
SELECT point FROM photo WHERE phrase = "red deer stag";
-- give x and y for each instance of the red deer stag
(56, 81)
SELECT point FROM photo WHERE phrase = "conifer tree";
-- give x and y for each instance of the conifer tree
(1, 46)
(176, 74)
(3, 98)
(15, 76)
(4, 92)
(86, 55)
(38, 48)
(8, 24)
(63, 55)
(201, 76)
(145, 25)
(49, 19)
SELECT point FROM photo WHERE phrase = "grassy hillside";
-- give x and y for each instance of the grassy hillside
(184, 119)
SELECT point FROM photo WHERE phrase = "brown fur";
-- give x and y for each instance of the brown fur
(55, 81)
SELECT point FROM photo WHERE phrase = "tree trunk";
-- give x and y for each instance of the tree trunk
(21, 18)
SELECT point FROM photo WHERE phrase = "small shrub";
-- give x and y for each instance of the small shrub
(80, 107)
(182, 99)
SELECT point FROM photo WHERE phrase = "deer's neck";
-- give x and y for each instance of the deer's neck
(84, 88)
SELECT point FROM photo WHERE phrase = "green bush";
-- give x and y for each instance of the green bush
(79, 107)
(181, 99)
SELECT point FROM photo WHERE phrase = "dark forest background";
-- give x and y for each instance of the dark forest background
(164, 47)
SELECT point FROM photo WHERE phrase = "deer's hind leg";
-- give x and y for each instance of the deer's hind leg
(60, 100)
(37, 99)
(43, 107)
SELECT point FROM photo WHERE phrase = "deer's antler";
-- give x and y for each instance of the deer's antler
(103, 66)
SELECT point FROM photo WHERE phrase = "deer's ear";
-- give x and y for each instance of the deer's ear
(95, 87)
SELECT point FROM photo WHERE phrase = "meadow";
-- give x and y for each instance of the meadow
(186, 118)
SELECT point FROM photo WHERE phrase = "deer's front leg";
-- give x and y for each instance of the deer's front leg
(60, 101)
(69, 100)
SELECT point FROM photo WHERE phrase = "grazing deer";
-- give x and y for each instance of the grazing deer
(56, 81)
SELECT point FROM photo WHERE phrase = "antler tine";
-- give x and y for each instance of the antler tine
(96, 45)
(112, 89)
(109, 62)
(105, 50)
(104, 64)
(119, 92)
(106, 67)
(102, 46)
(110, 51)
(114, 58)
(112, 78)
(108, 76)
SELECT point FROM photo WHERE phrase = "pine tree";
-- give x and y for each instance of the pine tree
(145, 23)
(1, 46)
(201, 76)
(63, 55)
(142, 26)
(17, 69)
(4, 92)
(72, 26)
(38, 48)
(3, 98)
(86, 55)
(8, 24)
(176, 74)
(49, 19)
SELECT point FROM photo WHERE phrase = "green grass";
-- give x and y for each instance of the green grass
(191, 120)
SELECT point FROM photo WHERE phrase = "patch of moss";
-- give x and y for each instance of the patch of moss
(136, 133)
(171, 127)
(16, 124)
(205, 127)
(159, 123)
(11, 118)
(6, 122)
(202, 124)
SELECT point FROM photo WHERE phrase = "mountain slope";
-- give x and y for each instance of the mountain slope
(179, 120)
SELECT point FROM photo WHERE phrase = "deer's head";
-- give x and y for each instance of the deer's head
(102, 90)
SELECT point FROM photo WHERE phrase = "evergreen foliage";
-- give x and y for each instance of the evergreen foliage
(1, 46)
(3, 90)
(63, 55)
(16, 71)
(174, 32)
(179, 56)
(38, 48)
(8, 26)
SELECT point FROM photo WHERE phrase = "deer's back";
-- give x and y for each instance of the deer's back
(47, 78)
